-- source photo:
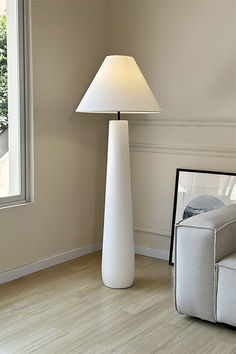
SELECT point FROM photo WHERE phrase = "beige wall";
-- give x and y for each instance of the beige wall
(187, 52)
(69, 41)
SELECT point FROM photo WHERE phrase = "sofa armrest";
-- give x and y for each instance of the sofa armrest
(195, 273)
(201, 241)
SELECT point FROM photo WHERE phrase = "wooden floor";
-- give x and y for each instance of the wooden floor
(66, 309)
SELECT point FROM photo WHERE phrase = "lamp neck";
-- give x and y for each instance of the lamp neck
(118, 115)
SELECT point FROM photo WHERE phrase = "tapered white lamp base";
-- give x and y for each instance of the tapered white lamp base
(118, 265)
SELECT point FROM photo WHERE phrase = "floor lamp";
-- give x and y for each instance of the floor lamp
(118, 87)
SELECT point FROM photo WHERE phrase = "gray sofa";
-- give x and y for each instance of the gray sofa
(205, 266)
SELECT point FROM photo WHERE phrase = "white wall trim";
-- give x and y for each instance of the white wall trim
(184, 150)
(185, 121)
(152, 230)
(69, 255)
(48, 262)
(152, 252)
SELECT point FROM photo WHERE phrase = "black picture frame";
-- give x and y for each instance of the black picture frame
(177, 179)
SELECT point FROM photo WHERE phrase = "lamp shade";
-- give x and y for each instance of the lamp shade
(119, 86)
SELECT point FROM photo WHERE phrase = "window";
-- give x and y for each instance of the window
(14, 102)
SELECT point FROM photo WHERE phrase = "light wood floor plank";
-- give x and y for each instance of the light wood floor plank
(66, 309)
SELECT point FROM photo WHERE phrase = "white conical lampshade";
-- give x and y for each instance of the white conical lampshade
(119, 86)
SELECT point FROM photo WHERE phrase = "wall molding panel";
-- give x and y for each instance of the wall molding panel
(184, 150)
(197, 127)
(181, 121)
(152, 230)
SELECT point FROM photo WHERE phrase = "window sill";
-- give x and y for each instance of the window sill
(15, 204)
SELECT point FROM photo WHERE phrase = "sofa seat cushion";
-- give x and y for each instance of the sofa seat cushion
(226, 294)
(229, 262)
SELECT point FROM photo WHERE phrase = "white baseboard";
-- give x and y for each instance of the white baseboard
(69, 255)
(152, 252)
(48, 262)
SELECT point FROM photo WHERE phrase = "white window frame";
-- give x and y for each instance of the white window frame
(21, 136)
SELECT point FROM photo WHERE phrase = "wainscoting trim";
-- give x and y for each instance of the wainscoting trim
(190, 121)
(152, 252)
(184, 150)
(48, 262)
(67, 256)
